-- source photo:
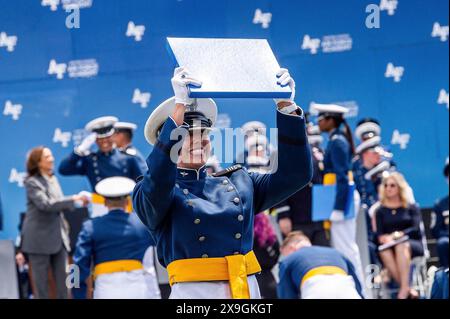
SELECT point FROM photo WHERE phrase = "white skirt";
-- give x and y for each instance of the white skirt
(123, 285)
(211, 290)
(329, 287)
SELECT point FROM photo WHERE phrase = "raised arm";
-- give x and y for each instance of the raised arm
(73, 164)
(294, 167)
(153, 195)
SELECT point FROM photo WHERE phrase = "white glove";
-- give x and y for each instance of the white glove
(337, 216)
(84, 148)
(180, 81)
(284, 79)
(86, 194)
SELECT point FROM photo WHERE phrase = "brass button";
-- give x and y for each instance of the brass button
(205, 256)
(225, 182)
(238, 236)
(240, 218)
(230, 188)
(202, 238)
(236, 200)
(197, 221)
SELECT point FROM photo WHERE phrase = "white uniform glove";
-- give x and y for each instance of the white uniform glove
(84, 148)
(337, 216)
(180, 81)
(284, 79)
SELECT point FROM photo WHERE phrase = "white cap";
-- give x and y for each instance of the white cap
(380, 168)
(113, 187)
(328, 109)
(367, 127)
(373, 142)
(159, 116)
(125, 126)
(254, 126)
(102, 126)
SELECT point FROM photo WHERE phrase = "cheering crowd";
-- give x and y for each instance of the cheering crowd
(282, 223)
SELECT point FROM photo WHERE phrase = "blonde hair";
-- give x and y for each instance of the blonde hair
(403, 187)
(294, 237)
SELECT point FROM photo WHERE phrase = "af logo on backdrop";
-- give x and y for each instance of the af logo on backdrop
(13, 110)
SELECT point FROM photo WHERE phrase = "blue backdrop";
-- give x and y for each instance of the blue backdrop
(54, 79)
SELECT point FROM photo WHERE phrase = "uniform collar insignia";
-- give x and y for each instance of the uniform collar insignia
(192, 174)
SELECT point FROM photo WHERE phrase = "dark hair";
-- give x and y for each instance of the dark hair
(368, 120)
(128, 133)
(347, 131)
(33, 159)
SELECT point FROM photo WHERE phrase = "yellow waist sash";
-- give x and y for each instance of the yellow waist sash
(323, 270)
(110, 267)
(233, 269)
(100, 200)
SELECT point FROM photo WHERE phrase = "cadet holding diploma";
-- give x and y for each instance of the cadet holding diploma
(203, 225)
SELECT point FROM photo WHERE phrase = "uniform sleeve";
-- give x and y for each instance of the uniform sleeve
(352, 273)
(340, 157)
(38, 195)
(294, 167)
(83, 258)
(286, 288)
(73, 165)
(153, 194)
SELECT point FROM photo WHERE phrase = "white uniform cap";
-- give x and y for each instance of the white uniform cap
(103, 126)
(125, 126)
(114, 187)
(373, 142)
(380, 168)
(254, 126)
(159, 116)
(367, 127)
(328, 109)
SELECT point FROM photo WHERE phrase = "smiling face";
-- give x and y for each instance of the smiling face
(391, 188)
(105, 144)
(195, 151)
(47, 162)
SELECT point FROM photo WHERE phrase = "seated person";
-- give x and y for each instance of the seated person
(439, 227)
(398, 223)
(313, 272)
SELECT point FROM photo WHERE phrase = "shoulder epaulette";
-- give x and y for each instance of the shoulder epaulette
(228, 170)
